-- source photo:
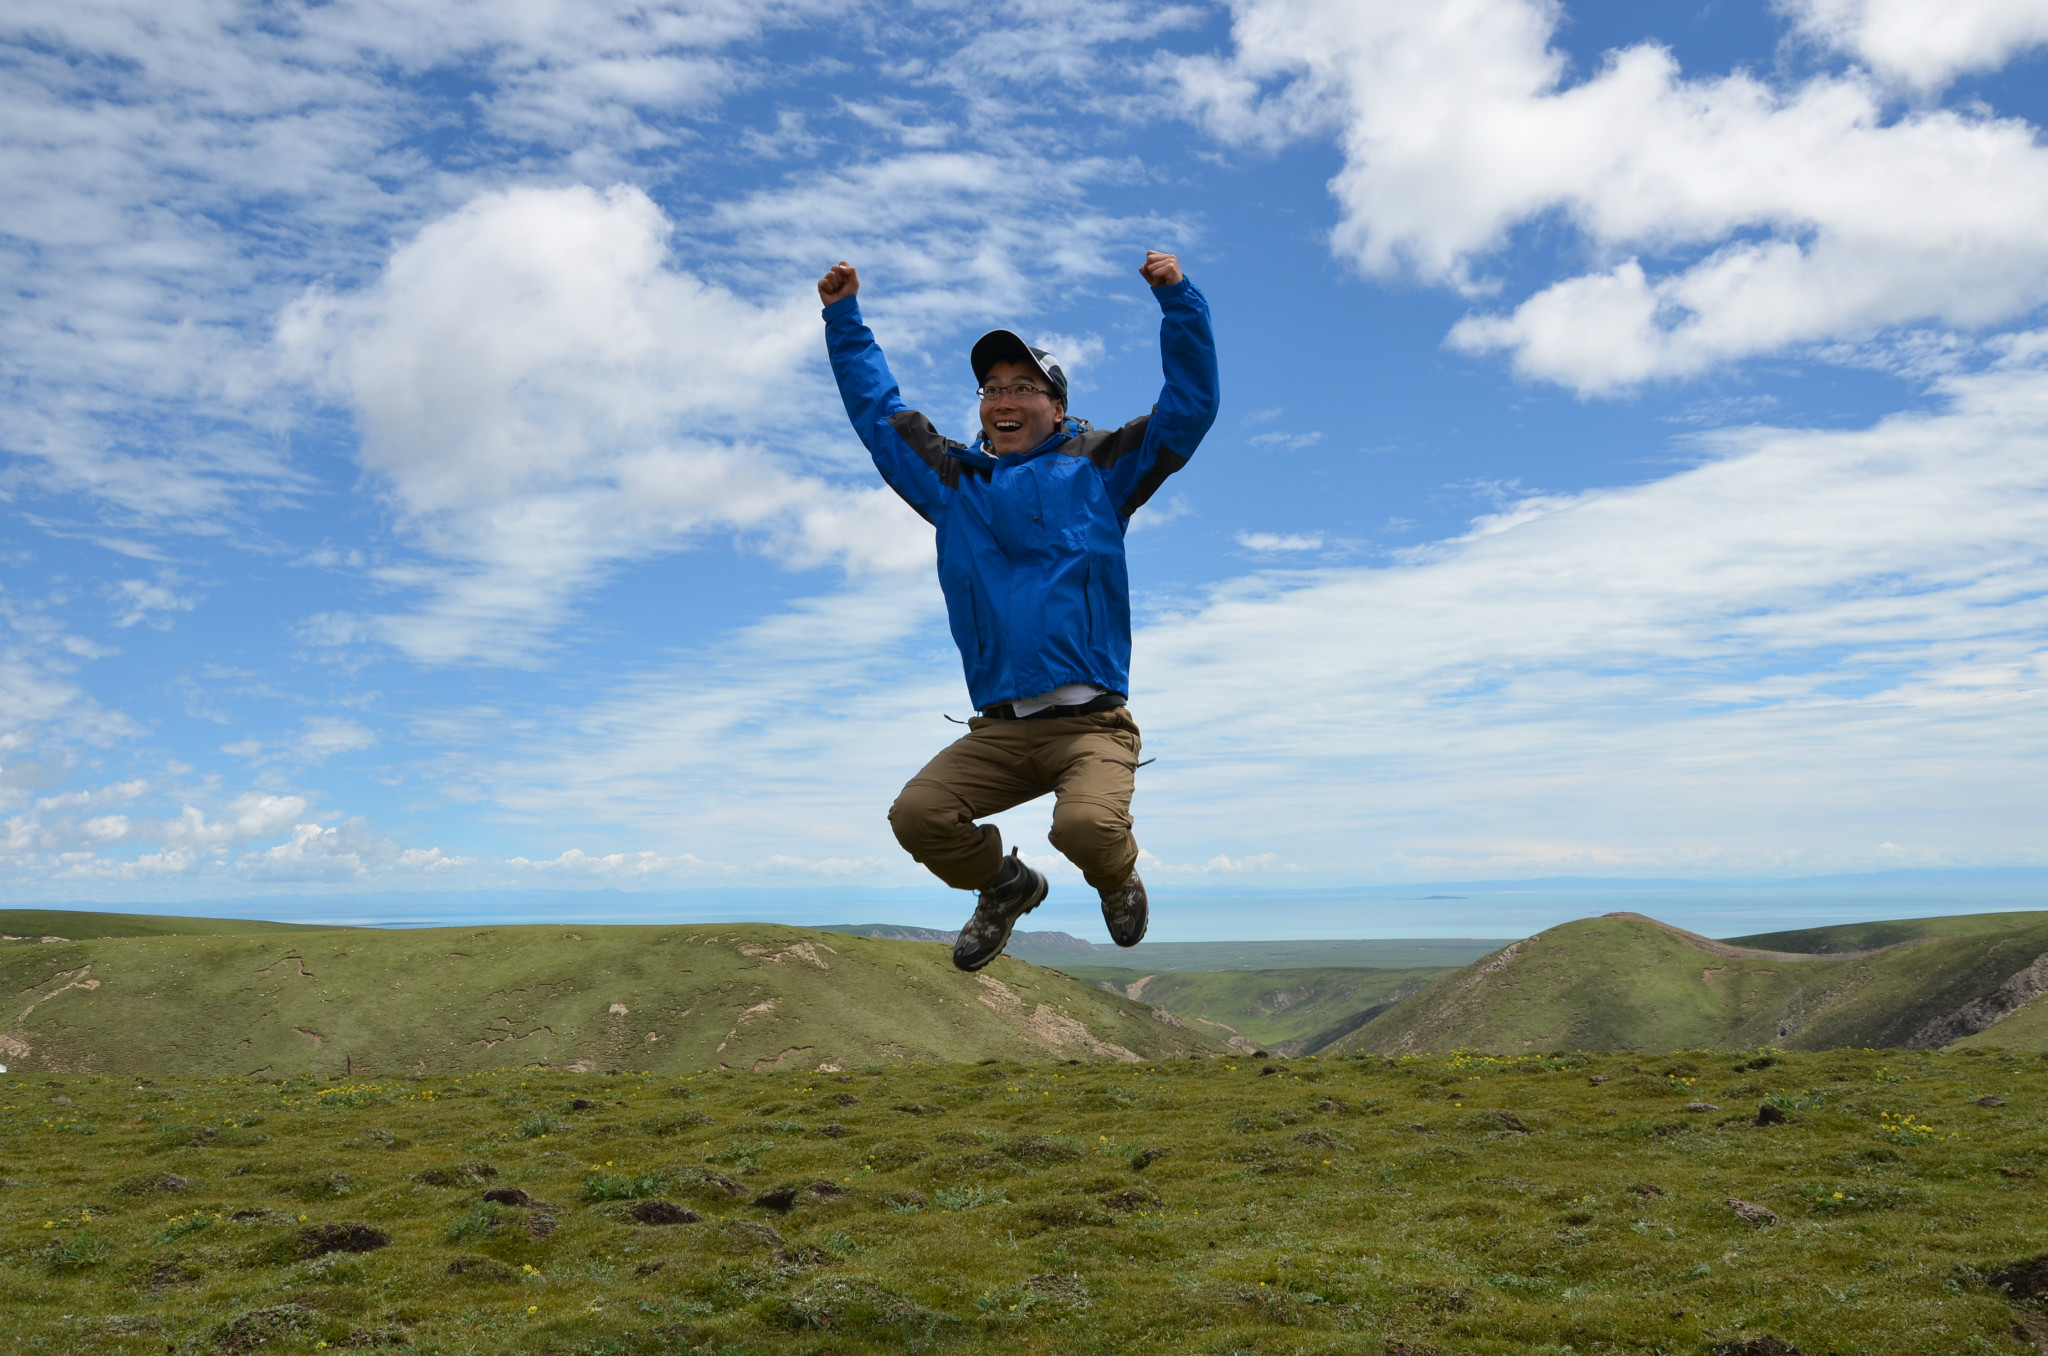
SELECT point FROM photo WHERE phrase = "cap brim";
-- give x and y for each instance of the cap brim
(999, 346)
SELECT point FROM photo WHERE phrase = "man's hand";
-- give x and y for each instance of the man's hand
(841, 281)
(1160, 270)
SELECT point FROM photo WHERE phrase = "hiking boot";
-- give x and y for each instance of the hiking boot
(1125, 913)
(1017, 891)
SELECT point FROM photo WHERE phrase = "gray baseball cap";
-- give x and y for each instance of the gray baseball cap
(1007, 345)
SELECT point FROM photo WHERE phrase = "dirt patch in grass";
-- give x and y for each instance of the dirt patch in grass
(169, 1270)
(317, 1240)
(2026, 1282)
(662, 1212)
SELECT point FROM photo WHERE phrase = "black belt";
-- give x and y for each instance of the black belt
(1108, 701)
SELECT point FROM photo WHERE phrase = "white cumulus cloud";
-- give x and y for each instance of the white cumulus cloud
(1730, 216)
(352, 851)
(1924, 43)
(547, 394)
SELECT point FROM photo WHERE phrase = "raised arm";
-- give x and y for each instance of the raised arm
(1187, 401)
(869, 392)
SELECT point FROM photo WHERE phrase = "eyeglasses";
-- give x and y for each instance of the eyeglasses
(1018, 390)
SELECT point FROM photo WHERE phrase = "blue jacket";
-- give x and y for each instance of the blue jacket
(1031, 545)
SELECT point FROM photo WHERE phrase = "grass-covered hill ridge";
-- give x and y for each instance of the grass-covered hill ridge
(1626, 982)
(446, 1000)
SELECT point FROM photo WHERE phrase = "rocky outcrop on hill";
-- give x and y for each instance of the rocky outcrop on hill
(1980, 1014)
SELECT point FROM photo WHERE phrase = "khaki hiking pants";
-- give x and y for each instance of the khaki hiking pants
(1089, 763)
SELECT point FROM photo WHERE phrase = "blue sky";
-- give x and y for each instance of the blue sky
(421, 471)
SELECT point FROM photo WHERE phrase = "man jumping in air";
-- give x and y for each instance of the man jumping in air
(1030, 519)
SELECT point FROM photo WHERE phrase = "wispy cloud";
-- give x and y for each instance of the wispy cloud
(1822, 620)
(1266, 542)
(948, 237)
(1278, 441)
(150, 602)
(318, 739)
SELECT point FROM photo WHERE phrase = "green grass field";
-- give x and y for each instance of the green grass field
(1543, 1204)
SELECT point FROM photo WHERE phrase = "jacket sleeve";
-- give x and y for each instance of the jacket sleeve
(873, 404)
(1187, 402)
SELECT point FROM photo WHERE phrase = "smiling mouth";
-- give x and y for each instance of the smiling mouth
(1008, 425)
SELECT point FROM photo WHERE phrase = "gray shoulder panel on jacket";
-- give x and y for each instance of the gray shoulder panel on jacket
(1107, 447)
(932, 447)
(924, 439)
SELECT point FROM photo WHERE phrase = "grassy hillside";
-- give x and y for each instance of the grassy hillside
(1290, 1012)
(1848, 937)
(1628, 982)
(445, 1000)
(1328, 1208)
(77, 924)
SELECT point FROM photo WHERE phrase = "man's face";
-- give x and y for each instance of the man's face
(1016, 421)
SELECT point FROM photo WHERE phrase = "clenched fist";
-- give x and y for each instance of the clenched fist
(841, 281)
(1159, 269)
